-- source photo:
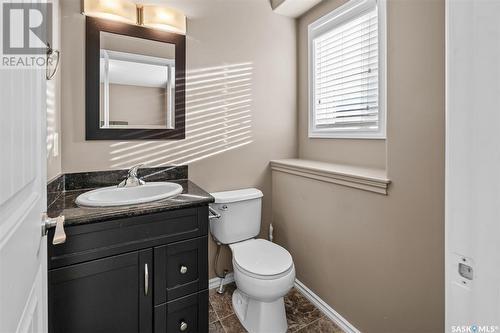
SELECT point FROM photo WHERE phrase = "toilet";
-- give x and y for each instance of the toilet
(263, 271)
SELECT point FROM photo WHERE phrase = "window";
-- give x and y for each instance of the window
(347, 72)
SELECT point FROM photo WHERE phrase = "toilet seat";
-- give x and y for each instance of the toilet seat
(262, 277)
(261, 259)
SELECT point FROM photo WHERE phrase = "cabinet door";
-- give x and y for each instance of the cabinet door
(108, 295)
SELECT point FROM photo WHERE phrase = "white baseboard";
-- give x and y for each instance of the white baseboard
(325, 308)
(214, 283)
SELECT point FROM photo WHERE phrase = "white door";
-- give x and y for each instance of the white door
(23, 300)
(473, 166)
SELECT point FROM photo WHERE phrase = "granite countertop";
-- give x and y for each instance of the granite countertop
(191, 196)
(64, 204)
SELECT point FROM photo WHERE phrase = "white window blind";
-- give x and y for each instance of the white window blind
(345, 65)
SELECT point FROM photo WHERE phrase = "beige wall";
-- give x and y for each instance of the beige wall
(378, 260)
(226, 147)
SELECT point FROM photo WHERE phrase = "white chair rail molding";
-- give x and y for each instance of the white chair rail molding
(367, 179)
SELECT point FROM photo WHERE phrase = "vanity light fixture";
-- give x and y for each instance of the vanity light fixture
(163, 18)
(118, 10)
(151, 16)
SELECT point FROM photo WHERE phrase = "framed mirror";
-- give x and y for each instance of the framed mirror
(135, 79)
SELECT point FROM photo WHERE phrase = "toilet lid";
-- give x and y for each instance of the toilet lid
(261, 257)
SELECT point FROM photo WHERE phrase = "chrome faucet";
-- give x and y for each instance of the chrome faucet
(132, 180)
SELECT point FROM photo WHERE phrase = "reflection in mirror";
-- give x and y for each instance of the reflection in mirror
(137, 83)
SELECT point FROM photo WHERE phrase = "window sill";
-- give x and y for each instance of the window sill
(372, 180)
(354, 136)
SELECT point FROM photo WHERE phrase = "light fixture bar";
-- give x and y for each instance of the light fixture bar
(118, 10)
(151, 16)
(164, 18)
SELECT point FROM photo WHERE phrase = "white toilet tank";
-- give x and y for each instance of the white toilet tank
(240, 215)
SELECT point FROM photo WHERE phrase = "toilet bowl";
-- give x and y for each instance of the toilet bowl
(263, 271)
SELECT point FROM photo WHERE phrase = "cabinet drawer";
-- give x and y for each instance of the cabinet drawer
(180, 269)
(186, 314)
(98, 240)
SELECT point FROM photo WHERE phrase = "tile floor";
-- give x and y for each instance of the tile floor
(302, 315)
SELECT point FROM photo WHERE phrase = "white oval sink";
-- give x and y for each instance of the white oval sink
(121, 196)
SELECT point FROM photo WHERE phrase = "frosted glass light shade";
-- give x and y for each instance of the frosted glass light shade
(164, 18)
(118, 10)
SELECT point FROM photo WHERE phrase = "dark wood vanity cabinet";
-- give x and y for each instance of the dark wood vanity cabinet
(146, 273)
(103, 295)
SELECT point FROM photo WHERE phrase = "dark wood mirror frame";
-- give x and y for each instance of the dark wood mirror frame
(94, 26)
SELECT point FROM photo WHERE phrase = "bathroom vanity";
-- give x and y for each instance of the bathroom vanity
(141, 268)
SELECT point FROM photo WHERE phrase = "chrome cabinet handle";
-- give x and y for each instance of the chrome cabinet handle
(183, 326)
(183, 269)
(146, 280)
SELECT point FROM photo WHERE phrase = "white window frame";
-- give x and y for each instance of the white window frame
(346, 12)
